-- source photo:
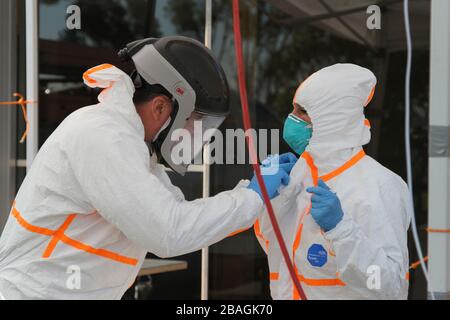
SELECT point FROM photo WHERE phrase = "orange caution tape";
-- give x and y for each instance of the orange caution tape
(417, 263)
(414, 265)
(438, 230)
(425, 259)
(22, 103)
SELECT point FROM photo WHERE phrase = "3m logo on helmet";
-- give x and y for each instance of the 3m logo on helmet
(179, 91)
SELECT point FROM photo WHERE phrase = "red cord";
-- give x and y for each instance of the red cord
(252, 150)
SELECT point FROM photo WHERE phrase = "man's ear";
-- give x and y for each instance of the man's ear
(158, 106)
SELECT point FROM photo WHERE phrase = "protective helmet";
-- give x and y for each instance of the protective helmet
(195, 80)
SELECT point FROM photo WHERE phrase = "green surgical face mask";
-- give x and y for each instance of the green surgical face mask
(297, 133)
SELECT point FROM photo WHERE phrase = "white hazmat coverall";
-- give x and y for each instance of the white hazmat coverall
(365, 256)
(94, 202)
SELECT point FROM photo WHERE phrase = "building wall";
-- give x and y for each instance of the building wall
(8, 85)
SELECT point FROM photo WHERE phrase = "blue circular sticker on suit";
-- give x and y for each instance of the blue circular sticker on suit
(317, 255)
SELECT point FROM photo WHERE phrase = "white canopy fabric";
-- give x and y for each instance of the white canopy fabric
(347, 19)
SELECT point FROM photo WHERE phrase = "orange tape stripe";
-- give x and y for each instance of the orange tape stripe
(369, 98)
(438, 230)
(321, 282)
(367, 123)
(95, 69)
(417, 263)
(296, 296)
(259, 233)
(29, 227)
(12, 103)
(317, 283)
(22, 102)
(74, 243)
(57, 236)
(414, 266)
(346, 166)
(297, 238)
(237, 232)
(273, 276)
(99, 252)
(296, 244)
(314, 172)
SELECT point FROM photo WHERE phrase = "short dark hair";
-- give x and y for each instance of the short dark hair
(144, 91)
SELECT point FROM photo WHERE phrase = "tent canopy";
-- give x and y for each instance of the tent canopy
(348, 18)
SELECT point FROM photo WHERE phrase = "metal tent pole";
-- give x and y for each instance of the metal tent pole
(206, 169)
(439, 151)
(31, 12)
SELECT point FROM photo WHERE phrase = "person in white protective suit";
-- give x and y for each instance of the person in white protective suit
(344, 216)
(96, 201)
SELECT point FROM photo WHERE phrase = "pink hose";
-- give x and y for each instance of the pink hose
(252, 150)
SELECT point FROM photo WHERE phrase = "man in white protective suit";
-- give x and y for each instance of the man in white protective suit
(96, 200)
(344, 216)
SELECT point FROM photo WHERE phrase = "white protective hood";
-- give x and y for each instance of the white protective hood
(339, 264)
(117, 94)
(334, 98)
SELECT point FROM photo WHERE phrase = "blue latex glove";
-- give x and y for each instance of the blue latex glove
(283, 158)
(273, 179)
(326, 208)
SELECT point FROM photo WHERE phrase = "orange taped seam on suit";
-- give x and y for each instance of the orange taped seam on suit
(310, 162)
(86, 75)
(314, 174)
(321, 282)
(273, 276)
(369, 98)
(237, 232)
(259, 234)
(332, 282)
(312, 282)
(346, 166)
(334, 173)
(59, 235)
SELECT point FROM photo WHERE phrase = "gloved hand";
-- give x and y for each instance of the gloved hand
(326, 208)
(273, 179)
(284, 161)
(283, 158)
